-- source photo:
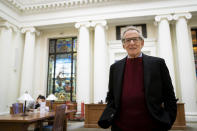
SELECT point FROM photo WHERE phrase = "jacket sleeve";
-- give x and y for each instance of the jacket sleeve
(106, 118)
(170, 100)
(110, 97)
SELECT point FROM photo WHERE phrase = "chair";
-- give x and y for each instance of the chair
(17, 108)
(58, 123)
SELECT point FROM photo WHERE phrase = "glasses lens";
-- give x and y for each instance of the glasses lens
(134, 39)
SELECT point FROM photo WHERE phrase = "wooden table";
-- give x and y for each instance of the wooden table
(16, 122)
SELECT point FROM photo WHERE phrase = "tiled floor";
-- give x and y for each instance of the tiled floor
(79, 126)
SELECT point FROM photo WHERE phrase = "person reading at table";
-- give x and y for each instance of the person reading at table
(40, 99)
(35, 105)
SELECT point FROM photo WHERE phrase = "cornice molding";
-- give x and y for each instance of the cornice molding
(49, 4)
(114, 11)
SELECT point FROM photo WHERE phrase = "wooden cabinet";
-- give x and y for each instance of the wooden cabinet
(180, 123)
(54, 104)
(92, 114)
(94, 111)
(72, 106)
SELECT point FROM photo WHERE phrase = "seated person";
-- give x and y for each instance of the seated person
(35, 105)
(39, 100)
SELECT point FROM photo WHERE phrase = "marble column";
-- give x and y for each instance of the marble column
(83, 64)
(5, 66)
(100, 61)
(27, 75)
(165, 44)
(186, 65)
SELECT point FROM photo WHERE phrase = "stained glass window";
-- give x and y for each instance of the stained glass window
(194, 42)
(62, 68)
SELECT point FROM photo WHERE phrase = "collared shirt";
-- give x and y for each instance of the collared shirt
(138, 56)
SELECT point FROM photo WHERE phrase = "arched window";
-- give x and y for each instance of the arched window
(62, 68)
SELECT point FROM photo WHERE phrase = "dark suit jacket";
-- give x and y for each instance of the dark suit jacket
(159, 92)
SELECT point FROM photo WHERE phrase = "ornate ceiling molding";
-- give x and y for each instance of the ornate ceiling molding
(61, 13)
(32, 5)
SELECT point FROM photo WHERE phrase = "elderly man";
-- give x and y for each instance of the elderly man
(141, 95)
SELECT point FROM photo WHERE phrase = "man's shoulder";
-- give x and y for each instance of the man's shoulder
(153, 58)
(119, 62)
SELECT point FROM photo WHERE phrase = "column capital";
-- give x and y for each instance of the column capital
(80, 24)
(182, 15)
(161, 17)
(98, 22)
(7, 25)
(30, 29)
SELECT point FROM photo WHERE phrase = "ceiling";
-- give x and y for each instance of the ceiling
(31, 5)
(47, 14)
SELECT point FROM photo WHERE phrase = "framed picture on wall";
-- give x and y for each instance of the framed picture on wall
(121, 28)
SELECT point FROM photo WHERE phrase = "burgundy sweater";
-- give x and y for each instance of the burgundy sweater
(134, 115)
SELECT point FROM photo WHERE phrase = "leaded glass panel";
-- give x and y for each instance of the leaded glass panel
(64, 45)
(52, 46)
(75, 44)
(63, 75)
(62, 68)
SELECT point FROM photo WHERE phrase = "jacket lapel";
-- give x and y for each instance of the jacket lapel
(120, 77)
(146, 65)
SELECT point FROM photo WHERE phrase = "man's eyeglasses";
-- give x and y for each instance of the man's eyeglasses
(134, 39)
